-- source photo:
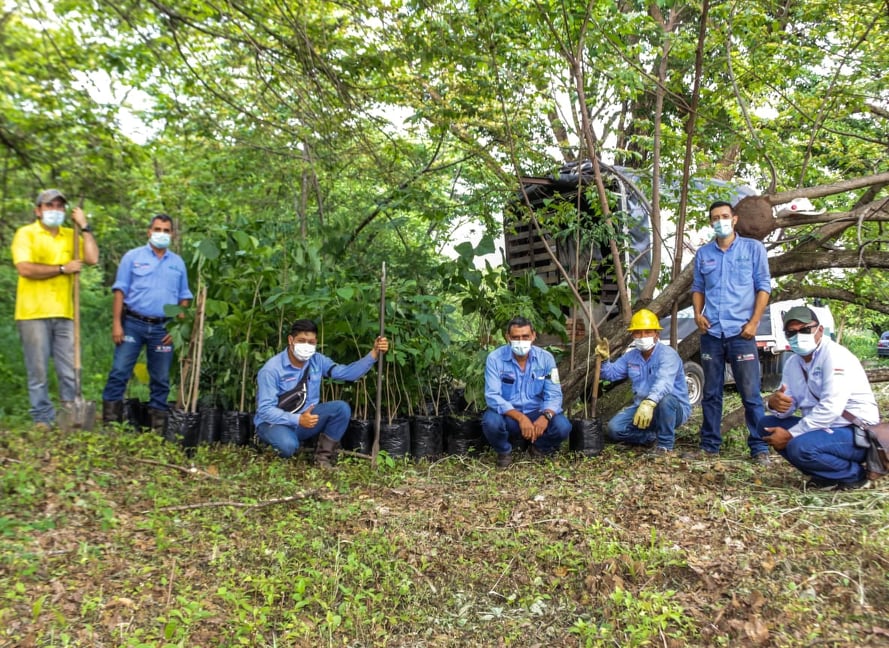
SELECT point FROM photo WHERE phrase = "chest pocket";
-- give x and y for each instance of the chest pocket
(507, 385)
(537, 385)
(741, 268)
(142, 270)
(708, 266)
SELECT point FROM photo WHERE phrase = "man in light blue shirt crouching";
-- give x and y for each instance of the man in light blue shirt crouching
(288, 399)
(660, 392)
(523, 396)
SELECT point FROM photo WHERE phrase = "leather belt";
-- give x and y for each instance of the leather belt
(142, 318)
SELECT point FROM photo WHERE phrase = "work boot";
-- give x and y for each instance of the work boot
(325, 451)
(761, 459)
(112, 411)
(158, 420)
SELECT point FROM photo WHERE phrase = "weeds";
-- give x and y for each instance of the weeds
(613, 550)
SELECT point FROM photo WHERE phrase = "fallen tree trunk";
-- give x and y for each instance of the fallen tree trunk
(816, 252)
(735, 418)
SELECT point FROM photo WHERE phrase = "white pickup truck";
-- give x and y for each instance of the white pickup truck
(770, 341)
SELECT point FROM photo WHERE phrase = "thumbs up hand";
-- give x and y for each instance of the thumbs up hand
(780, 401)
(307, 419)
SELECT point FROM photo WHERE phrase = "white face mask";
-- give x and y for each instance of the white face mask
(302, 351)
(723, 227)
(644, 343)
(160, 240)
(803, 343)
(53, 217)
(521, 348)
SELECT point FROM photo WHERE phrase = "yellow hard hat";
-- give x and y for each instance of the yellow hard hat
(644, 320)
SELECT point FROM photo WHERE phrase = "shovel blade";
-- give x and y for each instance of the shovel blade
(79, 414)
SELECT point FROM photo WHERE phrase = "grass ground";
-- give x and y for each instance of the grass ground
(118, 539)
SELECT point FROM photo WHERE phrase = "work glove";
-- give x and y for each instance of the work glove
(642, 418)
(602, 349)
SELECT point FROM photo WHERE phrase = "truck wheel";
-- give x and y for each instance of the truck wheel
(772, 368)
(694, 378)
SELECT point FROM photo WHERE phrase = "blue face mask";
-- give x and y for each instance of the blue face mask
(53, 217)
(520, 347)
(802, 344)
(723, 227)
(160, 240)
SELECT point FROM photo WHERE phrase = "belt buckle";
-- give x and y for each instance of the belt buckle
(144, 318)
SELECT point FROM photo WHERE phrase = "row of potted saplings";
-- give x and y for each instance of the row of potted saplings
(416, 436)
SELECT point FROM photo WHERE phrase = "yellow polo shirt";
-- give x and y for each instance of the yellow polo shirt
(43, 298)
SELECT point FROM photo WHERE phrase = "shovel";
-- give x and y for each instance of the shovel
(80, 414)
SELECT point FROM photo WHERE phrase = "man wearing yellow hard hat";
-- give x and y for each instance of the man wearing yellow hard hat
(660, 393)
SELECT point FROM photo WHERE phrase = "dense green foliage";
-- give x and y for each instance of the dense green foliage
(299, 150)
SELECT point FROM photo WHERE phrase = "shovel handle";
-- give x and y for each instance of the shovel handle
(76, 302)
(594, 399)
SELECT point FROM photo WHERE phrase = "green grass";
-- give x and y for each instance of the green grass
(119, 539)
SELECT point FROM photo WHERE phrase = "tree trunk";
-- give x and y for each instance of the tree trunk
(813, 254)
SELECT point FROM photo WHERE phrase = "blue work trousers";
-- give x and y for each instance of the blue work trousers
(744, 358)
(502, 432)
(333, 419)
(826, 454)
(159, 358)
(668, 415)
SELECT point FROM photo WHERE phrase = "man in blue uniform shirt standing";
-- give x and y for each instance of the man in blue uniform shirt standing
(660, 392)
(288, 399)
(149, 278)
(730, 292)
(523, 396)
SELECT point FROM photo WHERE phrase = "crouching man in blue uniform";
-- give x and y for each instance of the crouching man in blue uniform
(288, 400)
(823, 380)
(660, 392)
(523, 396)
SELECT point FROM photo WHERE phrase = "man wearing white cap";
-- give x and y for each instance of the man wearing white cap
(43, 254)
(823, 380)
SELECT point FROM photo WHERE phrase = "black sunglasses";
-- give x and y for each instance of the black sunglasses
(805, 330)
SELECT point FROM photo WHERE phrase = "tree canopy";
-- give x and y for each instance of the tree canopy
(299, 146)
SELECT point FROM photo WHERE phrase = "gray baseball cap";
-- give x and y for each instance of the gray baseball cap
(49, 195)
(802, 314)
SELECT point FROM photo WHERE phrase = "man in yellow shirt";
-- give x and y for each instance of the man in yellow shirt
(43, 254)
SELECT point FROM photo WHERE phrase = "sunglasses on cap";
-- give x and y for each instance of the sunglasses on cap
(805, 330)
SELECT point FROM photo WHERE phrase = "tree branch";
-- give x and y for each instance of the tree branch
(188, 471)
(828, 189)
(244, 505)
(836, 294)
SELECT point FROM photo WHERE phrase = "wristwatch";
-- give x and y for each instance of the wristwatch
(87, 229)
(548, 415)
(61, 269)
